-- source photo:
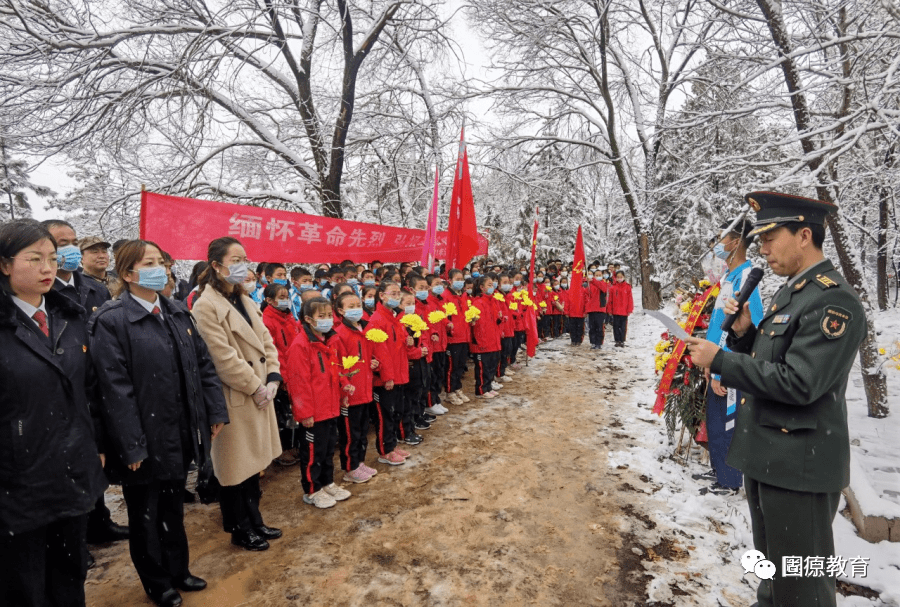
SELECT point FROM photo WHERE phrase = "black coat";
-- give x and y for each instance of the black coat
(90, 294)
(137, 368)
(49, 468)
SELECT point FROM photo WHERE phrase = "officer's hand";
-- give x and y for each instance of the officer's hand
(308, 422)
(134, 467)
(702, 351)
(743, 322)
(718, 388)
(215, 429)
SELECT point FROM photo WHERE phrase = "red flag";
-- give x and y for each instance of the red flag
(576, 293)
(531, 335)
(431, 229)
(462, 244)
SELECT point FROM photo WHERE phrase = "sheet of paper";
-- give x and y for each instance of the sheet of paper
(670, 324)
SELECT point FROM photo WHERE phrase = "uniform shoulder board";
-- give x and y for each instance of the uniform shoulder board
(825, 282)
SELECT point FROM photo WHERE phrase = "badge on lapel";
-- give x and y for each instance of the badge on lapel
(781, 319)
(835, 321)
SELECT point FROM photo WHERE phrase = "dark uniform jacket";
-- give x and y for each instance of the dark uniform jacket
(158, 386)
(90, 294)
(791, 428)
(49, 467)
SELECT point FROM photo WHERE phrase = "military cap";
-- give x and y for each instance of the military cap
(92, 241)
(773, 210)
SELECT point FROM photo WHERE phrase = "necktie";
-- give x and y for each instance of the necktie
(156, 310)
(41, 319)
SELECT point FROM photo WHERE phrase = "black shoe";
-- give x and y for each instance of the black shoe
(717, 489)
(267, 533)
(709, 475)
(191, 583)
(189, 498)
(169, 598)
(421, 424)
(413, 439)
(428, 417)
(249, 540)
(108, 533)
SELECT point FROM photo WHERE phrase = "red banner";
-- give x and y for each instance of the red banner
(184, 227)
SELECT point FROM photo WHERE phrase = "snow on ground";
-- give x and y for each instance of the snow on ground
(717, 528)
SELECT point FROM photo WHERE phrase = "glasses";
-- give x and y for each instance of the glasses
(37, 263)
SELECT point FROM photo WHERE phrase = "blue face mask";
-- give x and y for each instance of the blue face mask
(476, 274)
(323, 281)
(154, 278)
(369, 302)
(280, 281)
(469, 291)
(392, 303)
(352, 282)
(517, 283)
(410, 309)
(506, 288)
(489, 290)
(438, 290)
(283, 304)
(369, 283)
(323, 325)
(353, 314)
(421, 295)
(720, 252)
(458, 285)
(68, 257)
(305, 288)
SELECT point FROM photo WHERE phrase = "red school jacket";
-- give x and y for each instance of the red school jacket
(461, 333)
(283, 328)
(517, 315)
(573, 308)
(485, 330)
(414, 352)
(440, 328)
(507, 326)
(393, 364)
(554, 297)
(622, 303)
(353, 342)
(599, 295)
(313, 376)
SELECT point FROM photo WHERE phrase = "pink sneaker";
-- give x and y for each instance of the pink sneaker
(392, 459)
(370, 471)
(401, 452)
(356, 476)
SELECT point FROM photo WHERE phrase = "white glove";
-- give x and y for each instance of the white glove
(271, 390)
(260, 396)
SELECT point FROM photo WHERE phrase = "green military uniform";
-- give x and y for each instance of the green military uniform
(791, 439)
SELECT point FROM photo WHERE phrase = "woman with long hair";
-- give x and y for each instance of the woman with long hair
(247, 363)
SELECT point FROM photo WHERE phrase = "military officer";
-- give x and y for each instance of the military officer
(791, 439)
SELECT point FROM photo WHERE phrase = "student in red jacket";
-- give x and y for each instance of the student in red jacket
(417, 353)
(507, 326)
(353, 426)
(369, 296)
(519, 318)
(458, 335)
(596, 308)
(555, 308)
(438, 367)
(621, 307)
(317, 391)
(391, 374)
(280, 322)
(574, 310)
(485, 344)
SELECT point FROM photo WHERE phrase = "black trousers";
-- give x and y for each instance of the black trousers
(576, 329)
(317, 455)
(456, 366)
(798, 524)
(98, 519)
(543, 325)
(158, 542)
(558, 325)
(382, 416)
(438, 368)
(485, 368)
(240, 505)
(507, 352)
(521, 339)
(595, 328)
(620, 328)
(45, 566)
(290, 437)
(353, 428)
(417, 389)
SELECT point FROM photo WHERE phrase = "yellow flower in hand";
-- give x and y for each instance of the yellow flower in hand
(436, 317)
(513, 306)
(415, 323)
(499, 297)
(350, 361)
(376, 335)
(450, 309)
(686, 307)
(543, 304)
(704, 283)
(472, 313)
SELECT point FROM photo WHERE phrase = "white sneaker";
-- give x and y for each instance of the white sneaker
(452, 398)
(338, 493)
(462, 397)
(435, 410)
(505, 379)
(495, 385)
(440, 409)
(510, 371)
(319, 499)
(495, 394)
(490, 394)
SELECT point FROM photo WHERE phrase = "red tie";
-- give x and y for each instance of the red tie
(41, 319)
(156, 310)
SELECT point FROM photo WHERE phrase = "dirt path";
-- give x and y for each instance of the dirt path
(508, 501)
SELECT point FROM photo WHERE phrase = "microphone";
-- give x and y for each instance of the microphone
(753, 279)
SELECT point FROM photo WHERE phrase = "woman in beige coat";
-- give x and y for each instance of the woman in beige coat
(247, 363)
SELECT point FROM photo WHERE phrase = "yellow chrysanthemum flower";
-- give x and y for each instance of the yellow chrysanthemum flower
(376, 335)
(686, 307)
(513, 306)
(543, 304)
(450, 309)
(472, 313)
(499, 297)
(415, 323)
(704, 284)
(882, 351)
(350, 361)
(436, 317)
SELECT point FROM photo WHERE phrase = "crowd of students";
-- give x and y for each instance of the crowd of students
(131, 387)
